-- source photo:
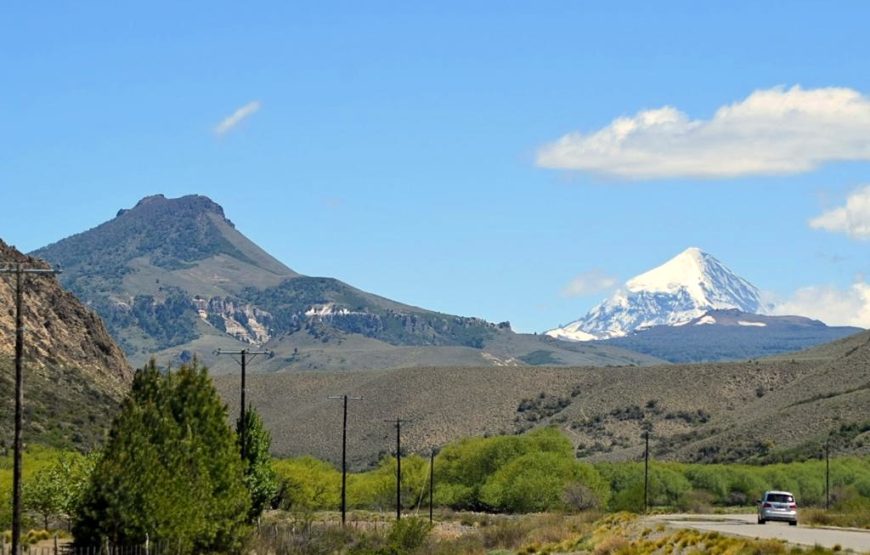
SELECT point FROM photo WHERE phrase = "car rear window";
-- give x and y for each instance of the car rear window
(780, 498)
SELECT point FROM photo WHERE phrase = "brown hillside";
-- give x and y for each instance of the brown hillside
(755, 410)
(74, 372)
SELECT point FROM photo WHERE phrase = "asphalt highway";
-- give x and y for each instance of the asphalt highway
(746, 525)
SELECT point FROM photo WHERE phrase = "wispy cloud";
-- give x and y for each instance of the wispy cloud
(587, 283)
(231, 121)
(853, 219)
(772, 131)
(831, 305)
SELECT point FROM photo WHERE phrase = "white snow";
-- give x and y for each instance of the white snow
(686, 270)
(705, 320)
(680, 290)
(753, 324)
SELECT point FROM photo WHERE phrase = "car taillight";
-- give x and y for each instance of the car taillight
(766, 505)
(792, 505)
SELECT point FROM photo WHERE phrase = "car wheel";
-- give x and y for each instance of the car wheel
(761, 521)
(792, 523)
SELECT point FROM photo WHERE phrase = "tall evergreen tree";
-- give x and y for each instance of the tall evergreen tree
(170, 470)
(260, 477)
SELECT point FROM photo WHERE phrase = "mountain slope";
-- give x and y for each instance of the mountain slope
(674, 293)
(174, 278)
(74, 374)
(701, 412)
(730, 335)
(138, 269)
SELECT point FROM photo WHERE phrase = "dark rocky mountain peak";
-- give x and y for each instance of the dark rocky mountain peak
(182, 206)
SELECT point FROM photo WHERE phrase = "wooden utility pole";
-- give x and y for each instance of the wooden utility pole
(20, 271)
(345, 398)
(398, 424)
(431, 483)
(243, 423)
(646, 472)
(827, 474)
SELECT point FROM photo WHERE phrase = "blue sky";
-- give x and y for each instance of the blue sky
(399, 146)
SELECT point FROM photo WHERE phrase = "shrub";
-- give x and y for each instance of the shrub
(537, 482)
(307, 484)
(408, 534)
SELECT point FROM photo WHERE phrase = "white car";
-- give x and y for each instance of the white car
(777, 505)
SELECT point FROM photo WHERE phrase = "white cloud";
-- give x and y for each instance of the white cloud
(587, 283)
(228, 123)
(773, 131)
(852, 219)
(835, 307)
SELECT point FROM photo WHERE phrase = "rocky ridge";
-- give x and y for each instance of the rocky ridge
(174, 278)
(74, 373)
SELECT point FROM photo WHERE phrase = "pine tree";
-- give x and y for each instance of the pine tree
(170, 469)
(260, 477)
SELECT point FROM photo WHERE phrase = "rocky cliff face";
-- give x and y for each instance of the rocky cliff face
(75, 374)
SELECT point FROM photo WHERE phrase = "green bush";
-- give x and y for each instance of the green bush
(307, 484)
(463, 468)
(732, 484)
(408, 534)
(538, 482)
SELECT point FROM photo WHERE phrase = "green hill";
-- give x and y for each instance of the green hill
(174, 278)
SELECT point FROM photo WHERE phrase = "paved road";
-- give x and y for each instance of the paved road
(745, 525)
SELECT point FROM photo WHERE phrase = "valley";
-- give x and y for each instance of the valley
(712, 412)
(173, 279)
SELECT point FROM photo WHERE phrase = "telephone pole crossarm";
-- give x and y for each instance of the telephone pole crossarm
(242, 361)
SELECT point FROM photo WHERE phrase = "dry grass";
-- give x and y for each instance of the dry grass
(849, 519)
(606, 410)
(543, 534)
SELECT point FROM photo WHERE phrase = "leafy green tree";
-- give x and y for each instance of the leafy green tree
(260, 477)
(538, 482)
(170, 470)
(377, 488)
(463, 468)
(43, 494)
(56, 490)
(308, 484)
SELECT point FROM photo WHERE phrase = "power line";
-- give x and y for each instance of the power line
(20, 271)
(345, 398)
(243, 423)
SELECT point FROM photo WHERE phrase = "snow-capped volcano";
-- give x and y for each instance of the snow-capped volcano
(678, 291)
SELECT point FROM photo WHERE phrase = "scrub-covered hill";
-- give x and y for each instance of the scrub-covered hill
(74, 373)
